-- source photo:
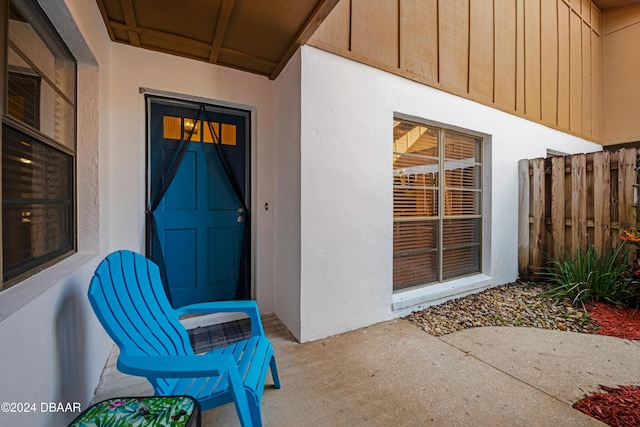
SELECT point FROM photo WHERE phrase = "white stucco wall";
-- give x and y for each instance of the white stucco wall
(286, 209)
(346, 189)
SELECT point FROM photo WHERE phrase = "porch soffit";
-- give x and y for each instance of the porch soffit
(251, 35)
(614, 4)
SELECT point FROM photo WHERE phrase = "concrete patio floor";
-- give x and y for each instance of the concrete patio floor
(393, 374)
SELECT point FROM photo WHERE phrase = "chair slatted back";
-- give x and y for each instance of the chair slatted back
(127, 295)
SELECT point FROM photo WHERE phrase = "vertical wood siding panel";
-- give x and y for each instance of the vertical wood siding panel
(621, 71)
(481, 50)
(610, 90)
(454, 44)
(595, 19)
(586, 11)
(532, 58)
(563, 64)
(549, 58)
(575, 73)
(576, 5)
(419, 38)
(586, 80)
(596, 88)
(520, 57)
(374, 31)
(335, 30)
(505, 54)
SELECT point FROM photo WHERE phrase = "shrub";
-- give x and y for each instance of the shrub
(588, 276)
(631, 280)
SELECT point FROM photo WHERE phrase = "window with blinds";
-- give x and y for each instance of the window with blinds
(38, 143)
(437, 195)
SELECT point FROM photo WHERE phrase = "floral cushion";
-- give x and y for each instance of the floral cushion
(174, 411)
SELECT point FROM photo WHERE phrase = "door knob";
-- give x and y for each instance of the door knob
(240, 218)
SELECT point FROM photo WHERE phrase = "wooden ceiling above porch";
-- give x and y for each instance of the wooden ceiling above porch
(615, 4)
(252, 35)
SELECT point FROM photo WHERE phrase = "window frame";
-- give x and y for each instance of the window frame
(441, 217)
(7, 120)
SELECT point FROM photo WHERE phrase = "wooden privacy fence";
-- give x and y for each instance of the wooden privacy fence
(574, 201)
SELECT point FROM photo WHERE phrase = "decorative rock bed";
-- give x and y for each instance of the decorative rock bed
(514, 304)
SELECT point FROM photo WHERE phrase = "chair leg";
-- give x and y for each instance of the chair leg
(240, 399)
(255, 408)
(274, 372)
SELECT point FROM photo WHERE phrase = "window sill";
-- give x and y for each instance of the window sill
(404, 302)
(21, 294)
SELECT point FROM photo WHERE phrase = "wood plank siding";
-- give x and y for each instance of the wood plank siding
(538, 59)
(620, 71)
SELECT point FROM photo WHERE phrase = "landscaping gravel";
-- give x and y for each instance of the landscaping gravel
(514, 304)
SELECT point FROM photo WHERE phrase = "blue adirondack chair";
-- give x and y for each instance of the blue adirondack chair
(127, 296)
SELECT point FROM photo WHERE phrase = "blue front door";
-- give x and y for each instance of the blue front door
(200, 219)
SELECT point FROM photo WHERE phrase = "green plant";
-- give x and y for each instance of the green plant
(631, 280)
(588, 276)
(585, 319)
(498, 319)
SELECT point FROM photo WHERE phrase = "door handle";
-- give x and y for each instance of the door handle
(240, 219)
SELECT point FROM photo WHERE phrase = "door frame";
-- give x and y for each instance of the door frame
(250, 169)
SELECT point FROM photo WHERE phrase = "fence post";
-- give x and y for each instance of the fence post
(627, 177)
(523, 218)
(536, 238)
(601, 201)
(558, 222)
(578, 202)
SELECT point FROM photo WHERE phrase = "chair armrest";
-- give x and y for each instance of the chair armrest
(188, 366)
(249, 307)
